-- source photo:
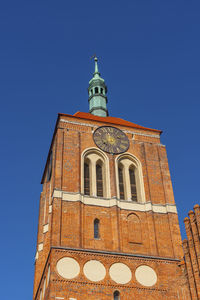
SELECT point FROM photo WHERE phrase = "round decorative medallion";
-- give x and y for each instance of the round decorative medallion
(68, 267)
(145, 275)
(94, 270)
(120, 273)
(111, 139)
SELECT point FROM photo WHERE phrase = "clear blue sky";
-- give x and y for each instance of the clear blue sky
(149, 55)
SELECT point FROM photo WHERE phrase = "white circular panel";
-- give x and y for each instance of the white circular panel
(120, 273)
(146, 276)
(68, 267)
(94, 270)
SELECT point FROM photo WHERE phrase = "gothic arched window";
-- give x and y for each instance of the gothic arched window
(99, 179)
(86, 178)
(121, 183)
(95, 177)
(130, 185)
(96, 228)
(133, 184)
(116, 295)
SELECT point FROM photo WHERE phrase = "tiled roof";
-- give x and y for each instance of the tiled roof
(111, 120)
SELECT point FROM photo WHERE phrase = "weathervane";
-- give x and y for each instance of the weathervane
(94, 56)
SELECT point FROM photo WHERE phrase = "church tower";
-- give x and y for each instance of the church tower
(108, 225)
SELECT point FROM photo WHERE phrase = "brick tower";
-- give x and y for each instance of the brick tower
(191, 247)
(108, 225)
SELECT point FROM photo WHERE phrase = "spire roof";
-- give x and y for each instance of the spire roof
(96, 74)
(96, 71)
(97, 93)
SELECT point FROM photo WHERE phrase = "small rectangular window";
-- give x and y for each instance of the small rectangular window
(96, 229)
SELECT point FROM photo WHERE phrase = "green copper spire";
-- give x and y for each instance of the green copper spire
(97, 94)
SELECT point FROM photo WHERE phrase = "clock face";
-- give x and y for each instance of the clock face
(111, 139)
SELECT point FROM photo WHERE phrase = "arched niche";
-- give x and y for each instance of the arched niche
(134, 229)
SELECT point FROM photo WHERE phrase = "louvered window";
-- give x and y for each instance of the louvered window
(133, 185)
(121, 183)
(99, 178)
(86, 179)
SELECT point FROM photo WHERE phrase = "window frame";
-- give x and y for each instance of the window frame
(131, 161)
(94, 155)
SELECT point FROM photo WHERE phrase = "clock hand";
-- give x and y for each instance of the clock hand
(105, 142)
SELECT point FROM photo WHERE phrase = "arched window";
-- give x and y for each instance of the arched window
(116, 295)
(96, 229)
(91, 91)
(121, 183)
(95, 176)
(101, 90)
(96, 90)
(86, 179)
(133, 184)
(129, 177)
(99, 179)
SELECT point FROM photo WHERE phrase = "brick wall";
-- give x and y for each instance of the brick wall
(147, 236)
(191, 247)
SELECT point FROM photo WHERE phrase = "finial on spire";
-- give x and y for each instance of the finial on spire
(96, 70)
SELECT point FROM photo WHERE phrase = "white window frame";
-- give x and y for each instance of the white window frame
(93, 156)
(127, 160)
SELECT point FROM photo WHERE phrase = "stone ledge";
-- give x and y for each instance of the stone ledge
(123, 204)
